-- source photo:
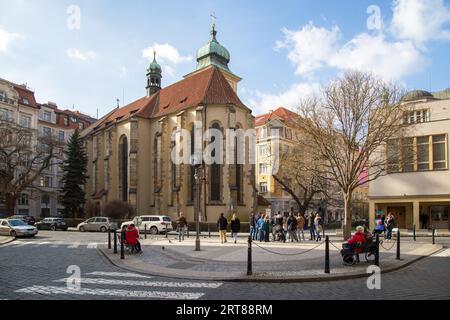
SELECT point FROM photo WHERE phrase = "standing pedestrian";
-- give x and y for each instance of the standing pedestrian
(318, 226)
(222, 224)
(300, 227)
(235, 227)
(292, 227)
(181, 225)
(256, 220)
(251, 221)
(390, 224)
(261, 228)
(311, 227)
(267, 229)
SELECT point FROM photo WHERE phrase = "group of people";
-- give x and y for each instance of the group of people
(285, 227)
(385, 226)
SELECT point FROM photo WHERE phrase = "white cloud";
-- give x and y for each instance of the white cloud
(77, 54)
(6, 38)
(310, 46)
(261, 102)
(386, 59)
(420, 20)
(165, 53)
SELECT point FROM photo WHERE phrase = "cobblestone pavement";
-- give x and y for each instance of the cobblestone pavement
(37, 269)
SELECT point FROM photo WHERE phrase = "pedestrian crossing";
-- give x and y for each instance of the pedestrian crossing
(55, 244)
(121, 285)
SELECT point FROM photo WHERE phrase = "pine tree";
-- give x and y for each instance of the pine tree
(74, 168)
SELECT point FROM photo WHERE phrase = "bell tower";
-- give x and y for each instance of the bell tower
(154, 76)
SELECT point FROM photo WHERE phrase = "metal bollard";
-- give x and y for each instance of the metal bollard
(398, 245)
(327, 254)
(115, 240)
(414, 232)
(122, 245)
(145, 231)
(433, 230)
(377, 251)
(249, 257)
(109, 238)
(209, 231)
(187, 230)
(166, 231)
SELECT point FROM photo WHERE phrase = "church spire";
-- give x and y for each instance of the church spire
(154, 76)
(213, 53)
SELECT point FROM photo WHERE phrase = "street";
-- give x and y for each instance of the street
(37, 269)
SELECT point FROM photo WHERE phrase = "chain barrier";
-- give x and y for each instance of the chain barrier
(288, 254)
(334, 246)
(381, 244)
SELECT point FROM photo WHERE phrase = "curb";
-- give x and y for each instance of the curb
(6, 242)
(267, 279)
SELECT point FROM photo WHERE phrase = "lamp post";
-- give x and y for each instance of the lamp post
(198, 166)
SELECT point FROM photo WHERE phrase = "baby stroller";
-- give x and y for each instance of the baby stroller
(350, 252)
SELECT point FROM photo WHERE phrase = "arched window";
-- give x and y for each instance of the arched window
(239, 165)
(192, 170)
(123, 167)
(215, 175)
(174, 161)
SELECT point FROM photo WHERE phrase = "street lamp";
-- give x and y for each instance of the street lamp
(197, 164)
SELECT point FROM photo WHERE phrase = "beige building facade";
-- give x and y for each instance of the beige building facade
(417, 187)
(131, 150)
(275, 131)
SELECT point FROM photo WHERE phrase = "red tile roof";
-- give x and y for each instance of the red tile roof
(281, 114)
(27, 94)
(208, 86)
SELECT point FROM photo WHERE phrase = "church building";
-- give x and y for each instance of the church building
(129, 150)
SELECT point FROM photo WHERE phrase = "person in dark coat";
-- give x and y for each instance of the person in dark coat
(222, 224)
(235, 227)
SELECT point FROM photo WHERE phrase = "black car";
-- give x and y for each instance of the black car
(52, 224)
(27, 219)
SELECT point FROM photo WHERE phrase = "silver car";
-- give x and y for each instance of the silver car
(101, 224)
(16, 228)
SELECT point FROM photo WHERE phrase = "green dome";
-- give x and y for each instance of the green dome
(213, 47)
(154, 67)
(417, 95)
(213, 53)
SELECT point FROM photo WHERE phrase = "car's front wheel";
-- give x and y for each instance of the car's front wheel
(13, 234)
(53, 228)
(153, 230)
(81, 229)
(103, 229)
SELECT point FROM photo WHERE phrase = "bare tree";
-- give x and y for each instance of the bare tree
(348, 127)
(23, 159)
(301, 177)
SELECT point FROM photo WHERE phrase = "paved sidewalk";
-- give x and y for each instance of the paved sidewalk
(6, 239)
(274, 262)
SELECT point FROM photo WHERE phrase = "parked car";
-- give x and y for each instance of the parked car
(27, 219)
(17, 228)
(52, 224)
(155, 224)
(101, 224)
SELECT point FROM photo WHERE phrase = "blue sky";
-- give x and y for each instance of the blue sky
(283, 50)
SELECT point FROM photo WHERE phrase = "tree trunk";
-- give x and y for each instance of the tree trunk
(347, 216)
(10, 204)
